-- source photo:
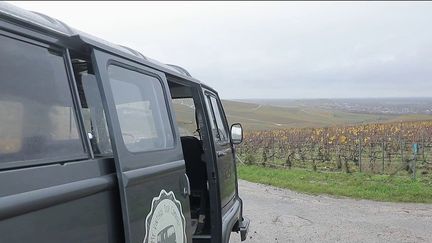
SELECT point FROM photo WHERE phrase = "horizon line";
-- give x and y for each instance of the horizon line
(335, 98)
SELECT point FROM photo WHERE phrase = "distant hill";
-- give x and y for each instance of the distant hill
(261, 116)
(406, 105)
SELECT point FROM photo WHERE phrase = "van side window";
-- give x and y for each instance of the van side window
(92, 109)
(220, 131)
(186, 116)
(37, 117)
(141, 110)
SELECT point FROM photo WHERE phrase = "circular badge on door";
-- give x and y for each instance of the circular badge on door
(165, 223)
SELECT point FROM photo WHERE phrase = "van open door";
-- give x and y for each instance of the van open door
(224, 151)
(153, 186)
(231, 204)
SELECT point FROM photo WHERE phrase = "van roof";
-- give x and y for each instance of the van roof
(59, 28)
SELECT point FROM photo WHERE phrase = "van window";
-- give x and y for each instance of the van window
(220, 131)
(37, 118)
(91, 106)
(185, 116)
(141, 110)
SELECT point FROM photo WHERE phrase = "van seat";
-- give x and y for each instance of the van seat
(196, 170)
(195, 166)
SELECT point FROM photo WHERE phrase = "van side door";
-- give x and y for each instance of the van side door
(153, 186)
(223, 148)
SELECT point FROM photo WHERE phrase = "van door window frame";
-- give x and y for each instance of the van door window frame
(208, 96)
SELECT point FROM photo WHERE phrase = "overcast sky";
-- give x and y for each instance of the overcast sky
(273, 50)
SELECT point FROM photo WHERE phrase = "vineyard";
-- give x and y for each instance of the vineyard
(388, 148)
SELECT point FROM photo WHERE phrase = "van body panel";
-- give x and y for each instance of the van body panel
(76, 201)
(230, 218)
(91, 218)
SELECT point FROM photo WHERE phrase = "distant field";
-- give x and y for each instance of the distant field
(266, 117)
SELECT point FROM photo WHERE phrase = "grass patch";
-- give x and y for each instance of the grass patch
(355, 185)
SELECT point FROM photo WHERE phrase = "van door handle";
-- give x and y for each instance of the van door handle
(220, 154)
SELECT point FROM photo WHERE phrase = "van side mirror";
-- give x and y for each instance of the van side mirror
(236, 133)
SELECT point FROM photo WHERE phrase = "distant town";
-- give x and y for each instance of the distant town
(395, 106)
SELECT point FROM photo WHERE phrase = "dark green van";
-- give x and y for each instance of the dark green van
(99, 143)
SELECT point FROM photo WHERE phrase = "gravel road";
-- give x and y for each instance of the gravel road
(280, 215)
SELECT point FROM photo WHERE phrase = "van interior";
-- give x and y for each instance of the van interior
(189, 118)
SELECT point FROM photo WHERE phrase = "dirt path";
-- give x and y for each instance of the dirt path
(280, 215)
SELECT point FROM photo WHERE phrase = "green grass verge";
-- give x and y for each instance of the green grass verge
(355, 185)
